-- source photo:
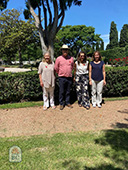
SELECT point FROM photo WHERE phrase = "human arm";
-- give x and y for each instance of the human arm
(74, 71)
(90, 73)
(56, 67)
(40, 70)
(104, 75)
(41, 82)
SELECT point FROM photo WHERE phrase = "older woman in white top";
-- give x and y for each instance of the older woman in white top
(47, 80)
(81, 78)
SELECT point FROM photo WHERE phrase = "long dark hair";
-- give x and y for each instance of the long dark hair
(85, 57)
(93, 57)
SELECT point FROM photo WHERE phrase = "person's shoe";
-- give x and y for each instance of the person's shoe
(69, 105)
(87, 107)
(94, 105)
(45, 108)
(99, 105)
(53, 107)
(61, 107)
(80, 105)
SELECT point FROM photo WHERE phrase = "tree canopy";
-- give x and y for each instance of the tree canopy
(15, 34)
(124, 36)
(3, 4)
(113, 37)
(78, 37)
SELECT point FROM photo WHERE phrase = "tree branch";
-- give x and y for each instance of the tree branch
(39, 13)
(37, 21)
(50, 14)
(45, 15)
(38, 25)
(61, 21)
(55, 20)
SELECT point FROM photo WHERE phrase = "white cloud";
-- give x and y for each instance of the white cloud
(105, 37)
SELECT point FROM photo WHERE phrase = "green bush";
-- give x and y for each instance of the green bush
(118, 52)
(15, 87)
(117, 82)
(19, 86)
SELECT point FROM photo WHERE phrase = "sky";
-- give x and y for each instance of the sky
(96, 13)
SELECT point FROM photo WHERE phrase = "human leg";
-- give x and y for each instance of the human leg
(51, 95)
(45, 97)
(93, 92)
(85, 93)
(68, 89)
(61, 90)
(78, 89)
(99, 92)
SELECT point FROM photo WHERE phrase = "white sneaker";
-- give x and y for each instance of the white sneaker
(45, 108)
(99, 105)
(94, 105)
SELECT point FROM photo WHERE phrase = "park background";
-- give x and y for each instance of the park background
(94, 150)
(85, 27)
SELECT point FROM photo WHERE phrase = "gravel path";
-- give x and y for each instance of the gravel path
(35, 121)
(16, 70)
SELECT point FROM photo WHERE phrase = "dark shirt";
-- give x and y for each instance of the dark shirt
(97, 71)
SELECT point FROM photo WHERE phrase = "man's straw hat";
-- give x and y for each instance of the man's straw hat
(64, 47)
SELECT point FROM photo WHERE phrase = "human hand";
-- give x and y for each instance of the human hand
(90, 82)
(104, 82)
(41, 84)
(74, 79)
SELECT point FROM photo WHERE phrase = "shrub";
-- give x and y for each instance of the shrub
(19, 86)
(117, 82)
(15, 87)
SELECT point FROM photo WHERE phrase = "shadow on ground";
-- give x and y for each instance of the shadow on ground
(123, 111)
(118, 141)
(117, 152)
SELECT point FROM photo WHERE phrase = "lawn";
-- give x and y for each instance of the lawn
(101, 150)
(40, 103)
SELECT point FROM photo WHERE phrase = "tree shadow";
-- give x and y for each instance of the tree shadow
(118, 141)
(120, 125)
(123, 111)
(103, 167)
(71, 164)
(75, 165)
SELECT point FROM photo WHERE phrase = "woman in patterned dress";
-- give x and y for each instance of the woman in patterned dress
(81, 78)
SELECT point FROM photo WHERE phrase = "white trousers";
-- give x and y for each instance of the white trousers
(48, 93)
(97, 87)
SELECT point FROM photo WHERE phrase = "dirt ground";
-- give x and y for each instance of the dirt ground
(35, 121)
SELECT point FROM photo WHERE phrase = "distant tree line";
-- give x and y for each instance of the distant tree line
(113, 36)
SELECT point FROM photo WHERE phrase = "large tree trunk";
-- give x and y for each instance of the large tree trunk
(48, 33)
(51, 51)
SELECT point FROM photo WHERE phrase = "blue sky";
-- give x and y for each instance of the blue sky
(96, 13)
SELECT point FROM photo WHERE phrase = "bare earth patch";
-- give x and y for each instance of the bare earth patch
(35, 121)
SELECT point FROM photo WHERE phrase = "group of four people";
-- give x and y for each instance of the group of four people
(84, 74)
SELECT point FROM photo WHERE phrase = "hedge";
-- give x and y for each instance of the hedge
(15, 87)
(118, 52)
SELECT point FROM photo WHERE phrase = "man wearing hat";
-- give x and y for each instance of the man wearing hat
(64, 66)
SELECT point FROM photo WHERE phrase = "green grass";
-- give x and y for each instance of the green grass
(116, 98)
(21, 105)
(102, 150)
(40, 103)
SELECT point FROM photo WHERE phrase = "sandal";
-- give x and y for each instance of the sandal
(53, 107)
(45, 108)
